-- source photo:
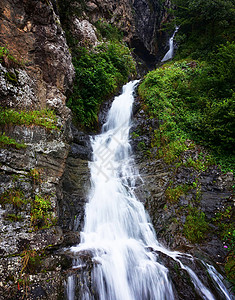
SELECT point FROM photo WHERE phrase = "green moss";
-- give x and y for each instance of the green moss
(45, 118)
(108, 31)
(195, 226)
(14, 217)
(4, 52)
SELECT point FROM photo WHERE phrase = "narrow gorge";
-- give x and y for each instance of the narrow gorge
(78, 170)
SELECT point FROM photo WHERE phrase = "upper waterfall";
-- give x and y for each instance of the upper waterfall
(170, 52)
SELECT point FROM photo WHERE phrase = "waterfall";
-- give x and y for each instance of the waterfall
(170, 52)
(118, 237)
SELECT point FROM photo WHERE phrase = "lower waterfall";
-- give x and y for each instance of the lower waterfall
(118, 237)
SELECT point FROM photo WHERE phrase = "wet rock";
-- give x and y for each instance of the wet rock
(208, 191)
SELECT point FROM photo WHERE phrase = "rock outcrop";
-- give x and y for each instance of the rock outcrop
(36, 72)
(205, 190)
(139, 21)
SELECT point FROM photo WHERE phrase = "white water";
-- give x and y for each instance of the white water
(170, 52)
(117, 232)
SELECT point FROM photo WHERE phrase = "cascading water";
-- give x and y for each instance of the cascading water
(170, 52)
(117, 235)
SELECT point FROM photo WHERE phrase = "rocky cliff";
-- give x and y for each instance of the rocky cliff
(190, 205)
(36, 72)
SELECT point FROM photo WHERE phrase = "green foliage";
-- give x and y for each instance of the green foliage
(7, 141)
(224, 219)
(11, 77)
(203, 25)
(31, 260)
(195, 226)
(108, 31)
(193, 100)
(45, 118)
(4, 53)
(41, 213)
(13, 196)
(34, 174)
(14, 217)
(201, 163)
(173, 194)
(99, 73)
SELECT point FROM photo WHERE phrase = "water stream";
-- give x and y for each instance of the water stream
(118, 236)
(170, 52)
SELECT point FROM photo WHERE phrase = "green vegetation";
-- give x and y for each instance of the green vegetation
(45, 118)
(4, 53)
(108, 31)
(31, 260)
(99, 72)
(14, 217)
(173, 194)
(195, 226)
(203, 26)
(13, 196)
(193, 100)
(7, 141)
(201, 163)
(224, 220)
(41, 213)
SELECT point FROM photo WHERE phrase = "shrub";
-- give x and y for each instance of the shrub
(41, 213)
(185, 98)
(195, 226)
(99, 72)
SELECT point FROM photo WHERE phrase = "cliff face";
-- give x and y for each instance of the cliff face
(35, 73)
(139, 21)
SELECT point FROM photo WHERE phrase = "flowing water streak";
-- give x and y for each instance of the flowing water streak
(170, 52)
(117, 230)
(117, 233)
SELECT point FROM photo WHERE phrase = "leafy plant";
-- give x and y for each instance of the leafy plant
(7, 141)
(41, 213)
(224, 221)
(185, 98)
(195, 226)
(108, 31)
(173, 194)
(99, 72)
(13, 196)
(203, 25)
(31, 260)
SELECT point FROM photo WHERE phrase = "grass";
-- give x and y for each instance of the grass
(195, 226)
(6, 141)
(45, 118)
(185, 99)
